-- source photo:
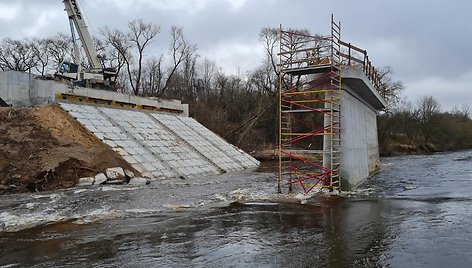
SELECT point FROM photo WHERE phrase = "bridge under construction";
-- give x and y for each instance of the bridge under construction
(328, 102)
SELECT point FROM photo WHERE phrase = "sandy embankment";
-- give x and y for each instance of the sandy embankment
(46, 149)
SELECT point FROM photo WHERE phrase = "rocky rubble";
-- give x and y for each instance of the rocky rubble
(115, 175)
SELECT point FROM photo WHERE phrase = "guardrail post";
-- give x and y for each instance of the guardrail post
(349, 55)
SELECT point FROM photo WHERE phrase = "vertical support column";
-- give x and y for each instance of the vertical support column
(327, 138)
(279, 137)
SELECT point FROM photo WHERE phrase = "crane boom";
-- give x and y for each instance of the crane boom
(96, 76)
(73, 11)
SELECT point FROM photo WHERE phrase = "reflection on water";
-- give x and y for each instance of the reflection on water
(416, 213)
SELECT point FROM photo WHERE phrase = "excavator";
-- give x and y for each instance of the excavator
(96, 76)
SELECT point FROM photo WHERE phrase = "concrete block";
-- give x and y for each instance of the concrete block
(157, 151)
(99, 135)
(169, 174)
(141, 151)
(138, 167)
(100, 178)
(112, 144)
(147, 174)
(115, 173)
(86, 181)
(139, 158)
(148, 167)
(85, 122)
(129, 173)
(158, 165)
(157, 174)
(138, 181)
(184, 171)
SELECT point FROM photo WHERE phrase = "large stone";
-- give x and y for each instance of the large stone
(116, 173)
(86, 181)
(100, 178)
(129, 173)
(138, 181)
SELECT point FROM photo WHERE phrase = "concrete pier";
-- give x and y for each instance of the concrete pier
(360, 148)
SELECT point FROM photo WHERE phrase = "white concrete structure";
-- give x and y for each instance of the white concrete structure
(20, 89)
(359, 143)
(161, 145)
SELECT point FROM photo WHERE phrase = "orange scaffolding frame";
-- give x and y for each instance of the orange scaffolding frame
(310, 92)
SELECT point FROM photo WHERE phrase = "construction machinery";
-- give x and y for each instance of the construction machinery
(95, 76)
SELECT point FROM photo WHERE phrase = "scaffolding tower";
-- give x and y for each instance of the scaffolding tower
(310, 110)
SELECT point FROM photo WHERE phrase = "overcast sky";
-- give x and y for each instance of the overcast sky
(427, 43)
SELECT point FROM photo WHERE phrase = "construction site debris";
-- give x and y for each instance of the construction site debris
(86, 181)
(115, 173)
(129, 174)
(138, 181)
(100, 178)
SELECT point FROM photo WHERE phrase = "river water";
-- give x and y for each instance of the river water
(417, 212)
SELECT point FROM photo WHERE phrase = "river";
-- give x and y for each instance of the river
(417, 212)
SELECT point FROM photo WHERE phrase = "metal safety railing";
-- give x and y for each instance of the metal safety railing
(354, 56)
(314, 50)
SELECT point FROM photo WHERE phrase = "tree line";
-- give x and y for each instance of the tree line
(424, 127)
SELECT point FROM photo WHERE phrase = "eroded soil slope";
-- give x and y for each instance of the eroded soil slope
(45, 149)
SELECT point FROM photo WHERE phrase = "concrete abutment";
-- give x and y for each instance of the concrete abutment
(154, 136)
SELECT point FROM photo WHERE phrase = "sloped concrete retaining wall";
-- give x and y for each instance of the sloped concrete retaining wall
(161, 145)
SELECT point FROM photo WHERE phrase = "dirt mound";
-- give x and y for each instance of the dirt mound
(45, 149)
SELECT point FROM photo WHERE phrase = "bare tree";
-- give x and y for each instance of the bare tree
(131, 46)
(389, 89)
(140, 34)
(462, 111)
(18, 55)
(209, 71)
(153, 76)
(110, 57)
(428, 109)
(59, 49)
(270, 40)
(181, 50)
(265, 78)
(43, 56)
